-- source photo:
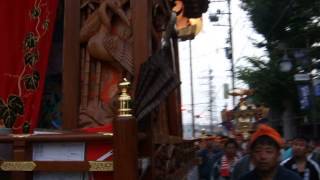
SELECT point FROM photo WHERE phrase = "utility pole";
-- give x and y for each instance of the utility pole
(211, 93)
(231, 51)
(191, 87)
(211, 100)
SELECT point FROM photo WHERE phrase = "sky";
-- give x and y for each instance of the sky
(208, 52)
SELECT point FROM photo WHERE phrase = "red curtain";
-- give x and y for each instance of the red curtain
(26, 28)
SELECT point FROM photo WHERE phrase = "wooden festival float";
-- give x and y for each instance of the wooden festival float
(245, 115)
(120, 94)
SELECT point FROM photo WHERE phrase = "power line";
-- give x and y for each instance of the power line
(229, 50)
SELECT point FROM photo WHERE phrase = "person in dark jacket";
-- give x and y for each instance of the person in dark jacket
(265, 146)
(307, 168)
(243, 166)
(208, 156)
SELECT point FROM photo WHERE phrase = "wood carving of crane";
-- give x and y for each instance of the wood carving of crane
(106, 55)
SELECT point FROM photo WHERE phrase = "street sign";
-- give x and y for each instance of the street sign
(316, 86)
(226, 91)
(304, 96)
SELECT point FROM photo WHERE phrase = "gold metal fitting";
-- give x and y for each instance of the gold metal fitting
(124, 99)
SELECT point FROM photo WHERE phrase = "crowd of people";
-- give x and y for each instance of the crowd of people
(264, 156)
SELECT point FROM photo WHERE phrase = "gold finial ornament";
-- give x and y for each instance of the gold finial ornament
(124, 99)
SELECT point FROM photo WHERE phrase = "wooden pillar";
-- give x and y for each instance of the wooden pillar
(141, 27)
(71, 64)
(125, 149)
(142, 50)
(19, 154)
(174, 99)
(146, 149)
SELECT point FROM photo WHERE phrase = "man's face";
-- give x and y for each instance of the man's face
(230, 149)
(265, 157)
(299, 147)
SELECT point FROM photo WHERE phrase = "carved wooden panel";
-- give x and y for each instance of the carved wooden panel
(105, 58)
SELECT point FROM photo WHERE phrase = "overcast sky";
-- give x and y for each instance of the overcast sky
(208, 53)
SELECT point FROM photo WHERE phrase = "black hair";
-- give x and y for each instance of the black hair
(303, 138)
(265, 140)
(231, 141)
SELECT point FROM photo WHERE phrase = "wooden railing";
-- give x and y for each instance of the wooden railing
(22, 164)
(124, 143)
(172, 156)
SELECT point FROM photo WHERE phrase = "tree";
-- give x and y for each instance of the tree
(270, 85)
(285, 24)
(275, 89)
(287, 21)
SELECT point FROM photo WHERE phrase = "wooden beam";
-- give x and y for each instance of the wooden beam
(57, 166)
(174, 99)
(125, 129)
(19, 154)
(63, 137)
(71, 64)
(141, 28)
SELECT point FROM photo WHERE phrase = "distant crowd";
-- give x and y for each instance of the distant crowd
(264, 156)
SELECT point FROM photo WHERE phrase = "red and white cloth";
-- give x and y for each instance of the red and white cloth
(227, 166)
